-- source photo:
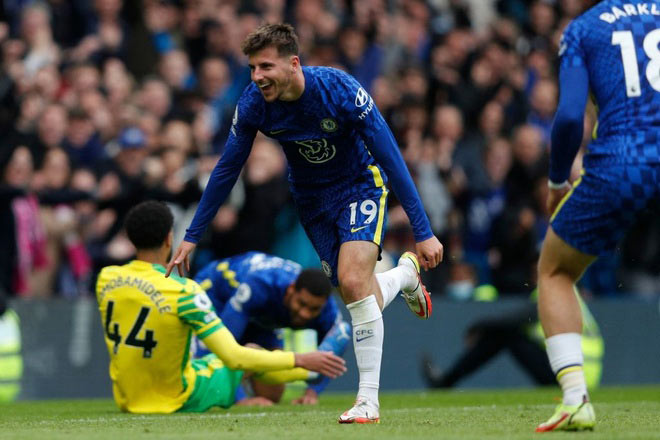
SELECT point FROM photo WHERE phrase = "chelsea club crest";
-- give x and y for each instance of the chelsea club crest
(328, 125)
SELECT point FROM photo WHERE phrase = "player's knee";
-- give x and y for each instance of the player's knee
(270, 392)
(353, 286)
(548, 265)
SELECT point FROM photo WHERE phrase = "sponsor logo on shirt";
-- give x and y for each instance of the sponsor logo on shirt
(361, 98)
(316, 150)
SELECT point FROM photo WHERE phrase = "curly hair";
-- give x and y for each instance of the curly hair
(315, 281)
(148, 223)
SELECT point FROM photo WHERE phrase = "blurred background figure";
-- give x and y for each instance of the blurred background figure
(520, 334)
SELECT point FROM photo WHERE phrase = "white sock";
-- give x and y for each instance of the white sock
(565, 355)
(368, 332)
(394, 280)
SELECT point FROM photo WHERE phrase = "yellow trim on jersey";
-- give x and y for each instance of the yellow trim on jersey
(568, 194)
(206, 284)
(378, 180)
(227, 274)
(594, 132)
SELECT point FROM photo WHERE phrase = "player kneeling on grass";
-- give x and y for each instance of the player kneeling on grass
(257, 294)
(149, 320)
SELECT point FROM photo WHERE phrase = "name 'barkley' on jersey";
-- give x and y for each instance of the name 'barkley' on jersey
(322, 132)
(618, 42)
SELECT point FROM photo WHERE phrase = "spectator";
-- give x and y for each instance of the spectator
(452, 78)
(51, 131)
(82, 142)
(71, 270)
(26, 234)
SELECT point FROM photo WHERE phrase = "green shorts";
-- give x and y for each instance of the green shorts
(215, 385)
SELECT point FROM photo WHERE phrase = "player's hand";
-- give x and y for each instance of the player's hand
(180, 258)
(309, 398)
(323, 362)
(429, 252)
(555, 195)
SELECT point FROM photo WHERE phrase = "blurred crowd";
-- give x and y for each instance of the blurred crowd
(104, 103)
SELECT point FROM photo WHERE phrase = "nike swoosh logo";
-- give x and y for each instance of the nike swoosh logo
(354, 230)
(362, 339)
(274, 132)
(420, 312)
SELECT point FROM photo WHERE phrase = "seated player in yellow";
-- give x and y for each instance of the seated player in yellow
(149, 321)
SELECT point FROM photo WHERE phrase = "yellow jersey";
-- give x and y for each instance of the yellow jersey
(148, 321)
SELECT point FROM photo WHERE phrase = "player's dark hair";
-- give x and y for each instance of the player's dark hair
(280, 35)
(148, 223)
(315, 282)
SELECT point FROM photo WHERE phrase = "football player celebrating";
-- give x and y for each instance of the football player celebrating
(340, 153)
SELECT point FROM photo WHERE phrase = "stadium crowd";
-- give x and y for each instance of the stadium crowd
(107, 103)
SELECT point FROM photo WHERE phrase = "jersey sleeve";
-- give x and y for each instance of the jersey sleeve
(566, 135)
(357, 105)
(237, 149)
(362, 112)
(571, 53)
(197, 311)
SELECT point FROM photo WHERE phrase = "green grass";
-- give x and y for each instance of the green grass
(622, 412)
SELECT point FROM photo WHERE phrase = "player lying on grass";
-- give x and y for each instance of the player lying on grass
(149, 320)
(256, 294)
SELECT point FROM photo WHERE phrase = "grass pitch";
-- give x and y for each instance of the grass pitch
(622, 413)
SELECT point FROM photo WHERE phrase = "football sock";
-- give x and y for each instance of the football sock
(368, 332)
(565, 355)
(392, 281)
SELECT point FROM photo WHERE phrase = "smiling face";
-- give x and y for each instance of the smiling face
(302, 305)
(274, 74)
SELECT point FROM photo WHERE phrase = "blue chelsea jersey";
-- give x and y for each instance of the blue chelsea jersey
(250, 288)
(333, 136)
(618, 43)
(322, 133)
